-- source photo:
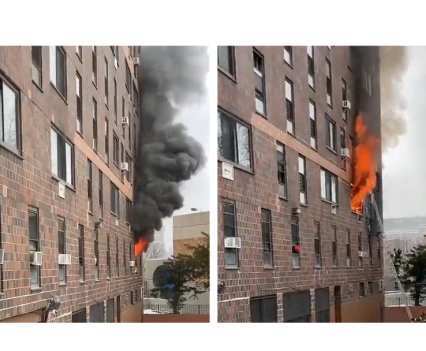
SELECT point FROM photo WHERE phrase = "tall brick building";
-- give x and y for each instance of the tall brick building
(66, 184)
(290, 249)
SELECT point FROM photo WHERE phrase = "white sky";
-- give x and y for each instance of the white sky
(404, 173)
(196, 191)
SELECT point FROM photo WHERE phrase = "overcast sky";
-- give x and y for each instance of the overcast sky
(404, 173)
(196, 191)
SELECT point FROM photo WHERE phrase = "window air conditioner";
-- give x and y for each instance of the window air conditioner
(233, 243)
(125, 120)
(64, 259)
(131, 263)
(346, 104)
(360, 253)
(345, 152)
(1, 256)
(36, 258)
(136, 61)
(124, 166)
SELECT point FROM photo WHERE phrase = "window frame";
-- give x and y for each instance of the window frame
(114, 190)
(38, 66)
(311, 57)
(336, 182)
(79, 113)
(96, 254)
(329, 103)
(260, 95)
(290, 113)
(35, 211)
(106, 82)
(295, 241)
(289, 51)
(317, 238)
(62, 232)
(232, 63)
(313, 125)
(281, 185)
(226, 250)
(303, 180)
(55, 67)
(72, 149)
(79, 52)
(95, 66)
(81, 264)
(264, 251)
(328, 139)
(95, 134)
(334, 248)
(348, 249)
(116, 149)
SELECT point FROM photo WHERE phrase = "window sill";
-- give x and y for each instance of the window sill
(269, 268)
(114, 214)
(232, 268)
(95, 85)
(236, 165)
(304, 205)
(81, 135)
(291, 134)
(12, 150)
(263, 115)
(68, 185)
(2, 294)
(227, 74)
(60, 94)
(331, 150)
(331, 106)
(36, 289)
(296, 268)
(318, 267)
(106, 105)
(90, 213)
(82, 282)
(313, 88)
(81, 60)
(97, 280)
(329, 202)
(38, 86)
(334, 267)
(282, 198)
(288, 64)
(61, 284)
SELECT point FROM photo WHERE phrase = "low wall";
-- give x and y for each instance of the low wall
(399, 314)
(132, 314)
(176, 318)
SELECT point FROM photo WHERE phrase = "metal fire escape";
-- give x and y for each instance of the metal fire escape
(388, 251)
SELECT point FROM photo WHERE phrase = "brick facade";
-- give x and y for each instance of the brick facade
(257, 188)
(26, 180)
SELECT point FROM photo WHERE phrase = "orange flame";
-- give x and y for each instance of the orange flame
(364, 168)
(141, 245)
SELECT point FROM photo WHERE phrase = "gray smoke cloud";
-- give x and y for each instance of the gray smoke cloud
(170, 78)
(393, 66)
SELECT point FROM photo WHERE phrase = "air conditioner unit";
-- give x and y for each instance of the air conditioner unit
(125, 120)
(36, 258)
(233, 243)
(334, 209)
(345, 152)
(64, 259)
(360, 253)
(131, 263)
(136, 61)
(1, 256)
(124, 166)
(346, 104)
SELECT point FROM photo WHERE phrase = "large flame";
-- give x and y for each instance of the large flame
(364, 167)
(141, 245)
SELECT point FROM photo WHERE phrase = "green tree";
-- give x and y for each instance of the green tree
(414, 274)
(185, 276)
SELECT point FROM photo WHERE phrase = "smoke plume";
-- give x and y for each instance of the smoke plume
(393, 65)
(170, 78)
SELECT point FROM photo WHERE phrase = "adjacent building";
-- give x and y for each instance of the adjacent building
(290, 247)
(69, 118)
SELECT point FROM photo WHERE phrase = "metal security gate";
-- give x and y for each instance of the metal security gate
(264, 309)
(110, 311)
(322, 305)
(97, 313)
(79, 316)
(297, 307)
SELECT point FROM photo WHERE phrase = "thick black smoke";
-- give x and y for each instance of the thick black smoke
(170, 78)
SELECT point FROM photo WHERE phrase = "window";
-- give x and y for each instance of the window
(34, 239)
(62, 157)
(80, 316)
(115, 101)
(129, 172)
(317, 244)
(123, 125)
(58, 71)
(79, 99)
(344, 98)
(128, 79)
(343, 146)
(288, 55)
(108, 258)
(95, 125)
(130, 133)
(329, 86)
(259, 80)
(297, 307)
(328, 186)
(79, 52)
(348, 248)
(379, 253)
(89, 186)
(263, 309)
(311, 67)
(130, 256)
(128, 210)
(36, 65)
(61, 249)
(322, 305)
(9, 115)
(115, 53)
(122, 160)
(313, 124)
(289, 107)
(295, 241)
(370, 251)
(370, 288)
(123, 108)
(96, 251)
(101, 195)
(360, 250)
(334, 261)
(94, 65)
(233, 140)
(226, 59)
(106, 141)
(106, 76)
(134, 139)
(115, 200)
(361, 290)
(1, 264)
(366, 82)
(117, 262)
(266, 238)
(229, 231)
(281, 167)
(97, 313)
(124, 257)
(115, 150)
(302, 180)
(110, 311)
(135, 96)
(81, 270)
(330, 133)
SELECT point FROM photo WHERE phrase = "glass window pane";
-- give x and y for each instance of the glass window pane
(52, 50)
(68, 157)
(333, 189)
(9, 117)
(288, 91)
(34, 276)
(311, 110)
(323, 193)
(33, 225)
(243, 143)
